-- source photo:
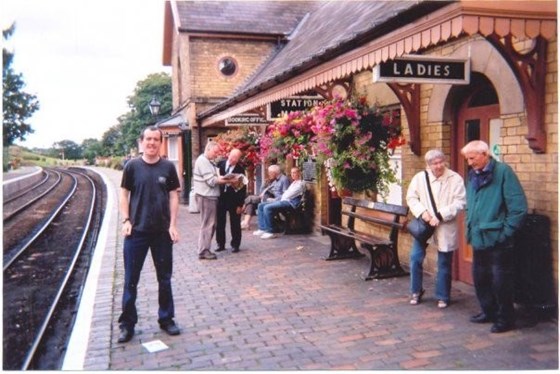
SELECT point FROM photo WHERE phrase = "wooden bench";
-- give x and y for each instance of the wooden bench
(384, 259)
(298, 220)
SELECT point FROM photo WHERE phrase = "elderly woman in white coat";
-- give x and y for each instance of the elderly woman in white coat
(448, 189)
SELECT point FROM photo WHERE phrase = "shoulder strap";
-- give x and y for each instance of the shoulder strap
(438, 215)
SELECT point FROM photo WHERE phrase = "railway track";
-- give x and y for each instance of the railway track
(45, 266)
(36, 201)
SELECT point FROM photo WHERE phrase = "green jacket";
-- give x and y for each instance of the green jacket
(497, 210)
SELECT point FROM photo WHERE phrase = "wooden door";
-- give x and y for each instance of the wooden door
(478, 107)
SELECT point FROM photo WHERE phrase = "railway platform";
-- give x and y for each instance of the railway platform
(277, 305)
(22, 171)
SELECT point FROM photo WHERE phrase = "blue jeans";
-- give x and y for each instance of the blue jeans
(135, 250)
(267, 211)
(443, 277)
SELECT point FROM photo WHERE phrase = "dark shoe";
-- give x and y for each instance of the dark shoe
(480, 318)
(170, 328)
(499, 327)
(234, 250)
(126, 334)
(207, 255)
(220, 249)
(416, 298)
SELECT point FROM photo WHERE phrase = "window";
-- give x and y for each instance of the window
(173, 149)
(227, 66)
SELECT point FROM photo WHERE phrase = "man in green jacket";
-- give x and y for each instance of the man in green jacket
(496, 209)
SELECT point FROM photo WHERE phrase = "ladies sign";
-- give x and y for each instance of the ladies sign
(423, 69)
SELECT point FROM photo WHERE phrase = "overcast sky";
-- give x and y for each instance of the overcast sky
(82, 59)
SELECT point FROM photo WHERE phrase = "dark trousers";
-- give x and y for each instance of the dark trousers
(225, 208)
(494, 281)
(135, 250)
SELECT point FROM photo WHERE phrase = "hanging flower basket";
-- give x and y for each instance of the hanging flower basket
(289, 136)
(357, 141)
(354, 142)
(247, 140)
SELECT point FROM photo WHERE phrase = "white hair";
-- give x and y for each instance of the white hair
(434, 154)
(476, 146)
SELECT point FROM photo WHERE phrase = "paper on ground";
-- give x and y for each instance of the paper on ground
(155, 346)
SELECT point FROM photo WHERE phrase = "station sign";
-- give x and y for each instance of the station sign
(279, 108)
(247, 119)
(423, 69)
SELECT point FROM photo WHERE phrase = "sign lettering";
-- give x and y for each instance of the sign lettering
(247, 119)
(423, 69)
(279, 108)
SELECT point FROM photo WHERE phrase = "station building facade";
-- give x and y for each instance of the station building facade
(236, 58)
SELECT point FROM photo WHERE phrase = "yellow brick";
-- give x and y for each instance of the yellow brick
(509, 140)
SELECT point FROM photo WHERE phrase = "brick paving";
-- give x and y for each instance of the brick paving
(277, 305)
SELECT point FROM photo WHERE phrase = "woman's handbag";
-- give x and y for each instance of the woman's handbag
(417, 227)
(420, 229)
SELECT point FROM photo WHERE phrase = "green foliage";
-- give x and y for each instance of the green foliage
(21, 156)
(125, 136)
(352, 140)
(18, 105)
(68, 150)
(91, 148)
(112, 142)
(357, 141)
(116, 163)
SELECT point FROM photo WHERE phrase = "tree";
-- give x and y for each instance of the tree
(68, 150)
(18, 105)
(111, 140)
(91, 148)
(156, 85)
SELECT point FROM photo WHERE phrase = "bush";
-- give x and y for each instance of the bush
(116, 163)
(31, 157)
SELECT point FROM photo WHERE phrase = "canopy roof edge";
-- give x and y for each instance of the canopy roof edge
(463, 18)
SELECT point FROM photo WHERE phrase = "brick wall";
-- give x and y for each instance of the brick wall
(538, 173)
(197, 82)
(206, 79)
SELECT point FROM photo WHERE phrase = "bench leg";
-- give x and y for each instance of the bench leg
(384, 262)
(342, 247)
(292, 222)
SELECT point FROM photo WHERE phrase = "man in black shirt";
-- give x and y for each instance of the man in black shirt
(149, 202)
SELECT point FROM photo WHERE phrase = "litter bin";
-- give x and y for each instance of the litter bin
(193, 206)
(534, 283)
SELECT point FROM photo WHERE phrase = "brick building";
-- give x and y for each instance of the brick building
(232, 58)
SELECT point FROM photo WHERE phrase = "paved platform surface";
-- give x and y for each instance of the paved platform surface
(19, 172)
(277, 305)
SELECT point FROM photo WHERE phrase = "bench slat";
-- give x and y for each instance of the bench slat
(374, 220)
(384, 260)
(375, 205)
(362, 237)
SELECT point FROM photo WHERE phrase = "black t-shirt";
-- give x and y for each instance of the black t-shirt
(149, 186)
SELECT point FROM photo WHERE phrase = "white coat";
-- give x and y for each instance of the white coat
(450, 199)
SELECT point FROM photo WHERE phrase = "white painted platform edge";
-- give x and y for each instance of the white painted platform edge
(78, 343)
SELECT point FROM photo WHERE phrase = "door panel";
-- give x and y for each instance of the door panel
(473, 123)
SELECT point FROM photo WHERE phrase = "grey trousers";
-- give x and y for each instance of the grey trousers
(251, 203)
(208, 207)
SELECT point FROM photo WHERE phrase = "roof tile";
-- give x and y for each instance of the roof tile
(253, 17)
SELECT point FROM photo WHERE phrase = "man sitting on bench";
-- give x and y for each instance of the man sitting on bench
(291, 198)
(272, 191)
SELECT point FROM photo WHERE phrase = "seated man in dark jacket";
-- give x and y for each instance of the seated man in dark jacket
(271, 191)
